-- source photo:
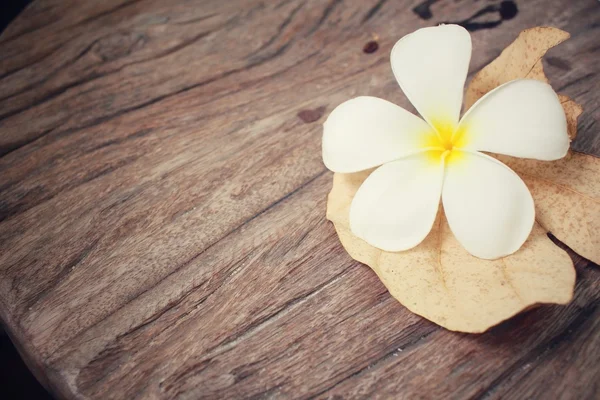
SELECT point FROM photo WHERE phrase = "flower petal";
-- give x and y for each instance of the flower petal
(431, 66)
(396, 206)
(522, 118)
(367, 131)
(488, 207)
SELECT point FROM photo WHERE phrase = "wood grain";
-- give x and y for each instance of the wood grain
(162, 206)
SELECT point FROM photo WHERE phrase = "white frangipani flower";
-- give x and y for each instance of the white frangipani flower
(488, 207)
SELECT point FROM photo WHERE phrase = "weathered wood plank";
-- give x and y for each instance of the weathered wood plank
(162, 204)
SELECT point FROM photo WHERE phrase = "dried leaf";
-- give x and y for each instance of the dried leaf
(566, 192)
(442, 282)
(572, 112)
(537, 72)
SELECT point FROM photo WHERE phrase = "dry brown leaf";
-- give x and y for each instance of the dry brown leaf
(566, 192)
(572, 112)
(441, 281)
(537, 72)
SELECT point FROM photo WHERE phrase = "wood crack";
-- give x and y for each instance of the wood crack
(48, 54)
(231, 341)
(196, 256)
(61, 276)
(90, 78)
(576, 81)
(6, 213)
(97, 121)
(141, 133)
(374, 10)
(328, 10)
(540, 352)
(411, 344)
(285, 308)
(281, 28)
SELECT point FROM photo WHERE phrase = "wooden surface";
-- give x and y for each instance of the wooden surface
(162, 201)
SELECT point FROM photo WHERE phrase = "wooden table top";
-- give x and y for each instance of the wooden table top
(162, 199)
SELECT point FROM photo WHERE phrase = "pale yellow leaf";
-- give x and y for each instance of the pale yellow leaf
(572, 112)
(440, 281)
(537, 72)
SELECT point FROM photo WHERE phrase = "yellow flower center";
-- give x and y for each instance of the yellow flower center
(444, 142)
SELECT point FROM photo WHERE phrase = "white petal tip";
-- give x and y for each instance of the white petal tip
(394, 210)
(431, 66)
(489, 208)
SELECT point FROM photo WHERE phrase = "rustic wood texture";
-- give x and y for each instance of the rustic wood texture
(162, 205)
